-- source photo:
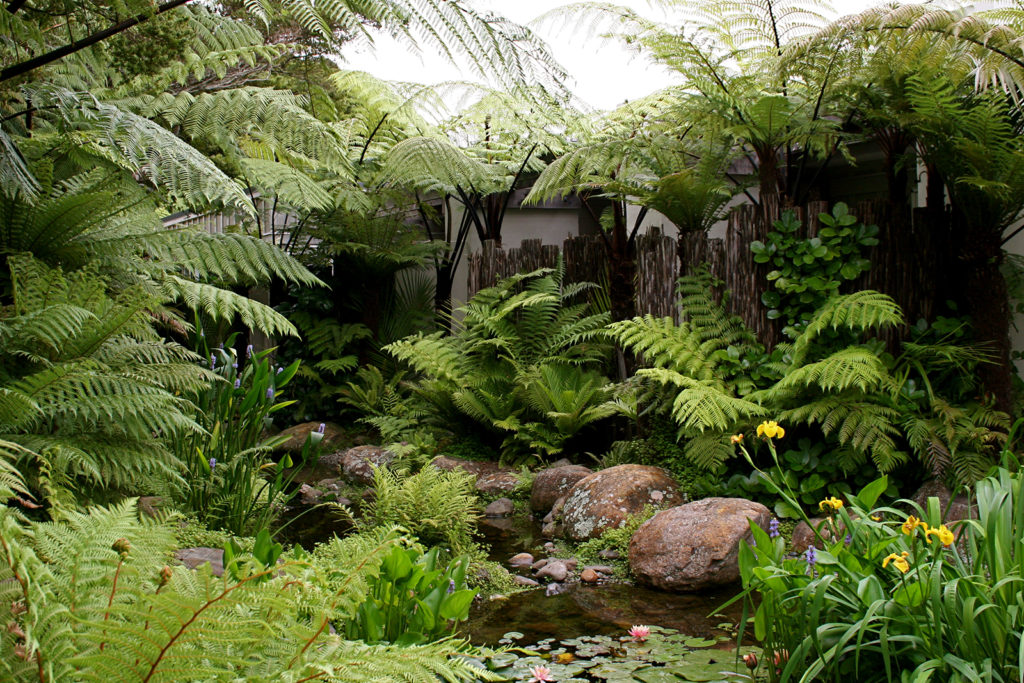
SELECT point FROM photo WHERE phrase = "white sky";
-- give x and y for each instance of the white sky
(603, 74)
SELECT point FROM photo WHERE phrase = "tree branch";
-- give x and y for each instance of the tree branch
(22, 68)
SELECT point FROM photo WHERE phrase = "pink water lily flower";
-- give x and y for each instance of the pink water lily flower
(640, 632)
(541, 674)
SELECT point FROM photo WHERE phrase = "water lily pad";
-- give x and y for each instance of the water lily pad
(698, 671)
(698, 642)
(656, 675)
(610, 671)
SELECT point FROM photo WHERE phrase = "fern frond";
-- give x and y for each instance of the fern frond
(703, 405)
(223, 304)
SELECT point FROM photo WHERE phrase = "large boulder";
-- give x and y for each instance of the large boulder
(694, 546)
(357, 463)
(604, 500)
(551, 484)
(297, 435)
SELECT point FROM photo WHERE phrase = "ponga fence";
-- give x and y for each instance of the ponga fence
(914, 253)
(585, 261)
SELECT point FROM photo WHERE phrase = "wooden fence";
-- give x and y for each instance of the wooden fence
(914, 253)
(585, 261)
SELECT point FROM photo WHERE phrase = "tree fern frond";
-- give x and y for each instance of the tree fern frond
(222, 304)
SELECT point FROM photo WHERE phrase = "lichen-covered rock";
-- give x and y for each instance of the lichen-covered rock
(357, 463)
(551, 484)
(604, 500)
(694, 546)
(297, 435)
(474, 467)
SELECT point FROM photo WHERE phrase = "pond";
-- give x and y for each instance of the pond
(604, 609)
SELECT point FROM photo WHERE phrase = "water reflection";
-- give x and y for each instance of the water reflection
(599, 610)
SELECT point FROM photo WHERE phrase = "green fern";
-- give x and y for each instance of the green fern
(86, 599)
(437, 506)
(521, 366)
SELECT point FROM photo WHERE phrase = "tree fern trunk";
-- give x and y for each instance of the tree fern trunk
(987, 302)
(621, 267)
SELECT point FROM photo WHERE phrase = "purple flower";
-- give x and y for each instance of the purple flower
(279, 370)
(270, 393)
(213, 361)
(235, 365)
(238, 384)
(248, 351)
(848, 540)
(811, 555)
(213, 463)
(451, 586)
(321, 428)
(773, 528)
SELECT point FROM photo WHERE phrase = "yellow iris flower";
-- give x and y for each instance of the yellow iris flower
(736, 438)
(898, 561)
(770, 429)
(911, 524)
(944, 535)
(832, 502)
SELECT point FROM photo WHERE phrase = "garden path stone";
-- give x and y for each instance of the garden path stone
(553, 483)
(605, 499)
(503, 507)
(297, 435)
(357, 463)
(524, 581)
(694, 546)
(197, 557)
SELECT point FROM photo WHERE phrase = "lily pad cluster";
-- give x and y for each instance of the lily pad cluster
(666, 655)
